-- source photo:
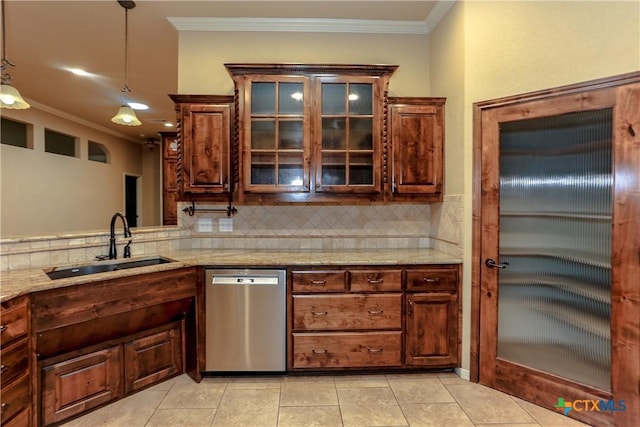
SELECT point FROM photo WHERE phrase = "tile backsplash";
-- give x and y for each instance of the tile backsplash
(290, 227)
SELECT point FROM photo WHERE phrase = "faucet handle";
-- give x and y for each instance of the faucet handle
(127, 250)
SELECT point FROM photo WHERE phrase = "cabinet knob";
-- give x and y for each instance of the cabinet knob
(319, 313)
(432, 280)
(3, 328)
(318, 282)
(374, 350)
(410, 310)
(3, 368)
(375, 282)
(3, 407)
(323, 351)
(375, 312)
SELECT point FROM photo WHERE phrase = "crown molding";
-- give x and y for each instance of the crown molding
(299, 25)
(437, 13)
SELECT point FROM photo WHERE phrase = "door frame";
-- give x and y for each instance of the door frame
(625, 295)
(138, 178)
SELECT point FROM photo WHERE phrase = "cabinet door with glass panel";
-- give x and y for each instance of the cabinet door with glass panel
(347, 145)
(277, 135)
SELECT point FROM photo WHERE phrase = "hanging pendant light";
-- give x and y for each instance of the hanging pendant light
(126, 116)
(9, 96)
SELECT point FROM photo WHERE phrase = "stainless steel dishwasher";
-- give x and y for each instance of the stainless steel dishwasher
(245, 320)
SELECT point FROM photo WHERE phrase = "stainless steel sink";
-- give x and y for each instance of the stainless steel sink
(84, 270)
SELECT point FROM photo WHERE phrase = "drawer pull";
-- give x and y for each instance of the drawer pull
(3, 368)
(318, 282)
(323, 351)
(374, 350)
(375, 312)
(375, 282)
(435, 280)
(3, 407)
(410, 310)
(319, 313)
(3, 328)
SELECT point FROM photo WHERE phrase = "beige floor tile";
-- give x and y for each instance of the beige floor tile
(412, 376)
(485, 405)
(508, 425)
(166, 385)
(546, 417)
(370, 407)
(451, 378)
(133, 411)
(309, 416)
(191, 395)
(307, 378)
(435, 415)
(420, 390)
(310, 393)
(349, 381)
(241, 408)
(182, 418)
(241, 383)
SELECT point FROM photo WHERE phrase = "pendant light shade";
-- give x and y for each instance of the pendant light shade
(126, 116)
(9, 96)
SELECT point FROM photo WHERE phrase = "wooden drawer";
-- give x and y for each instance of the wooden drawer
(319, 281)
(441, 278)
(376, 280)
(22, 419)
(15, 398)
(347, 350)
(347, 312)
(13, 319)
(15, 360)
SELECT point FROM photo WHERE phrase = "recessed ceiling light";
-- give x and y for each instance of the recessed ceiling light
(138, 106)
(79, 72)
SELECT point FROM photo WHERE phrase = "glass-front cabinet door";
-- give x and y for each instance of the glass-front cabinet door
(277, 145)
(347, 142)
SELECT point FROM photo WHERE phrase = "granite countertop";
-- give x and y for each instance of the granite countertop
(19, 282)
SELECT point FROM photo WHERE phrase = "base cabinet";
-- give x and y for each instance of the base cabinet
(374, 317)
(432, 329)
(73, 386)
(152, 358)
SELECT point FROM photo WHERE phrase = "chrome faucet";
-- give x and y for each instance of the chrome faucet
(127, 233)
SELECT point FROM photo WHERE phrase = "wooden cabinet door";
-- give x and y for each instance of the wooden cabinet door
(432, 329)
(417, 134)
(170, 188)
(73, 386)
(153, 358)
(205, 146)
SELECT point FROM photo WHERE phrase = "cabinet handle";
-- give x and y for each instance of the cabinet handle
(375, 282)
(374, 350)
(319, 313)
(3, 368)
(318, 282)
(3, 328)
(375, 312)
(3, 407)
(324, 351)
(435, 280)
(410, 311)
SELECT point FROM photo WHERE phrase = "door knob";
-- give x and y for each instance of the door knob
(492, 264)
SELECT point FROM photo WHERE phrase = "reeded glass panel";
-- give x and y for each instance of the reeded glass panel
(361, 134)
(361, 98)
(334, 97)
(263, 134)
(334, 133)
(291, 135)
(291, 98)
(263, 98)
(555, 233)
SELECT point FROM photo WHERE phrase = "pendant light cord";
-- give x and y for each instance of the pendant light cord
(126, 51)
(5, 62)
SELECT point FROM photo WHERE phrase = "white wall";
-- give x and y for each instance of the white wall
(44, 193)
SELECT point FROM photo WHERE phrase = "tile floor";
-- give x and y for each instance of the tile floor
(425, 399)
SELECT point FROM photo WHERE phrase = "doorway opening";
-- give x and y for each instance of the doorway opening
(132, 195)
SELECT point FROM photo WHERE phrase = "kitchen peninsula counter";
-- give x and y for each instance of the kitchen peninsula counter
(18, 282)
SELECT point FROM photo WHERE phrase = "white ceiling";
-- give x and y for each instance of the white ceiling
(45, 38)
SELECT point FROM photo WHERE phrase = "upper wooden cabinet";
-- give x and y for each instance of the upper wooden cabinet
(170, 189)
(311, 132)
(417, 141)
(204, 159)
